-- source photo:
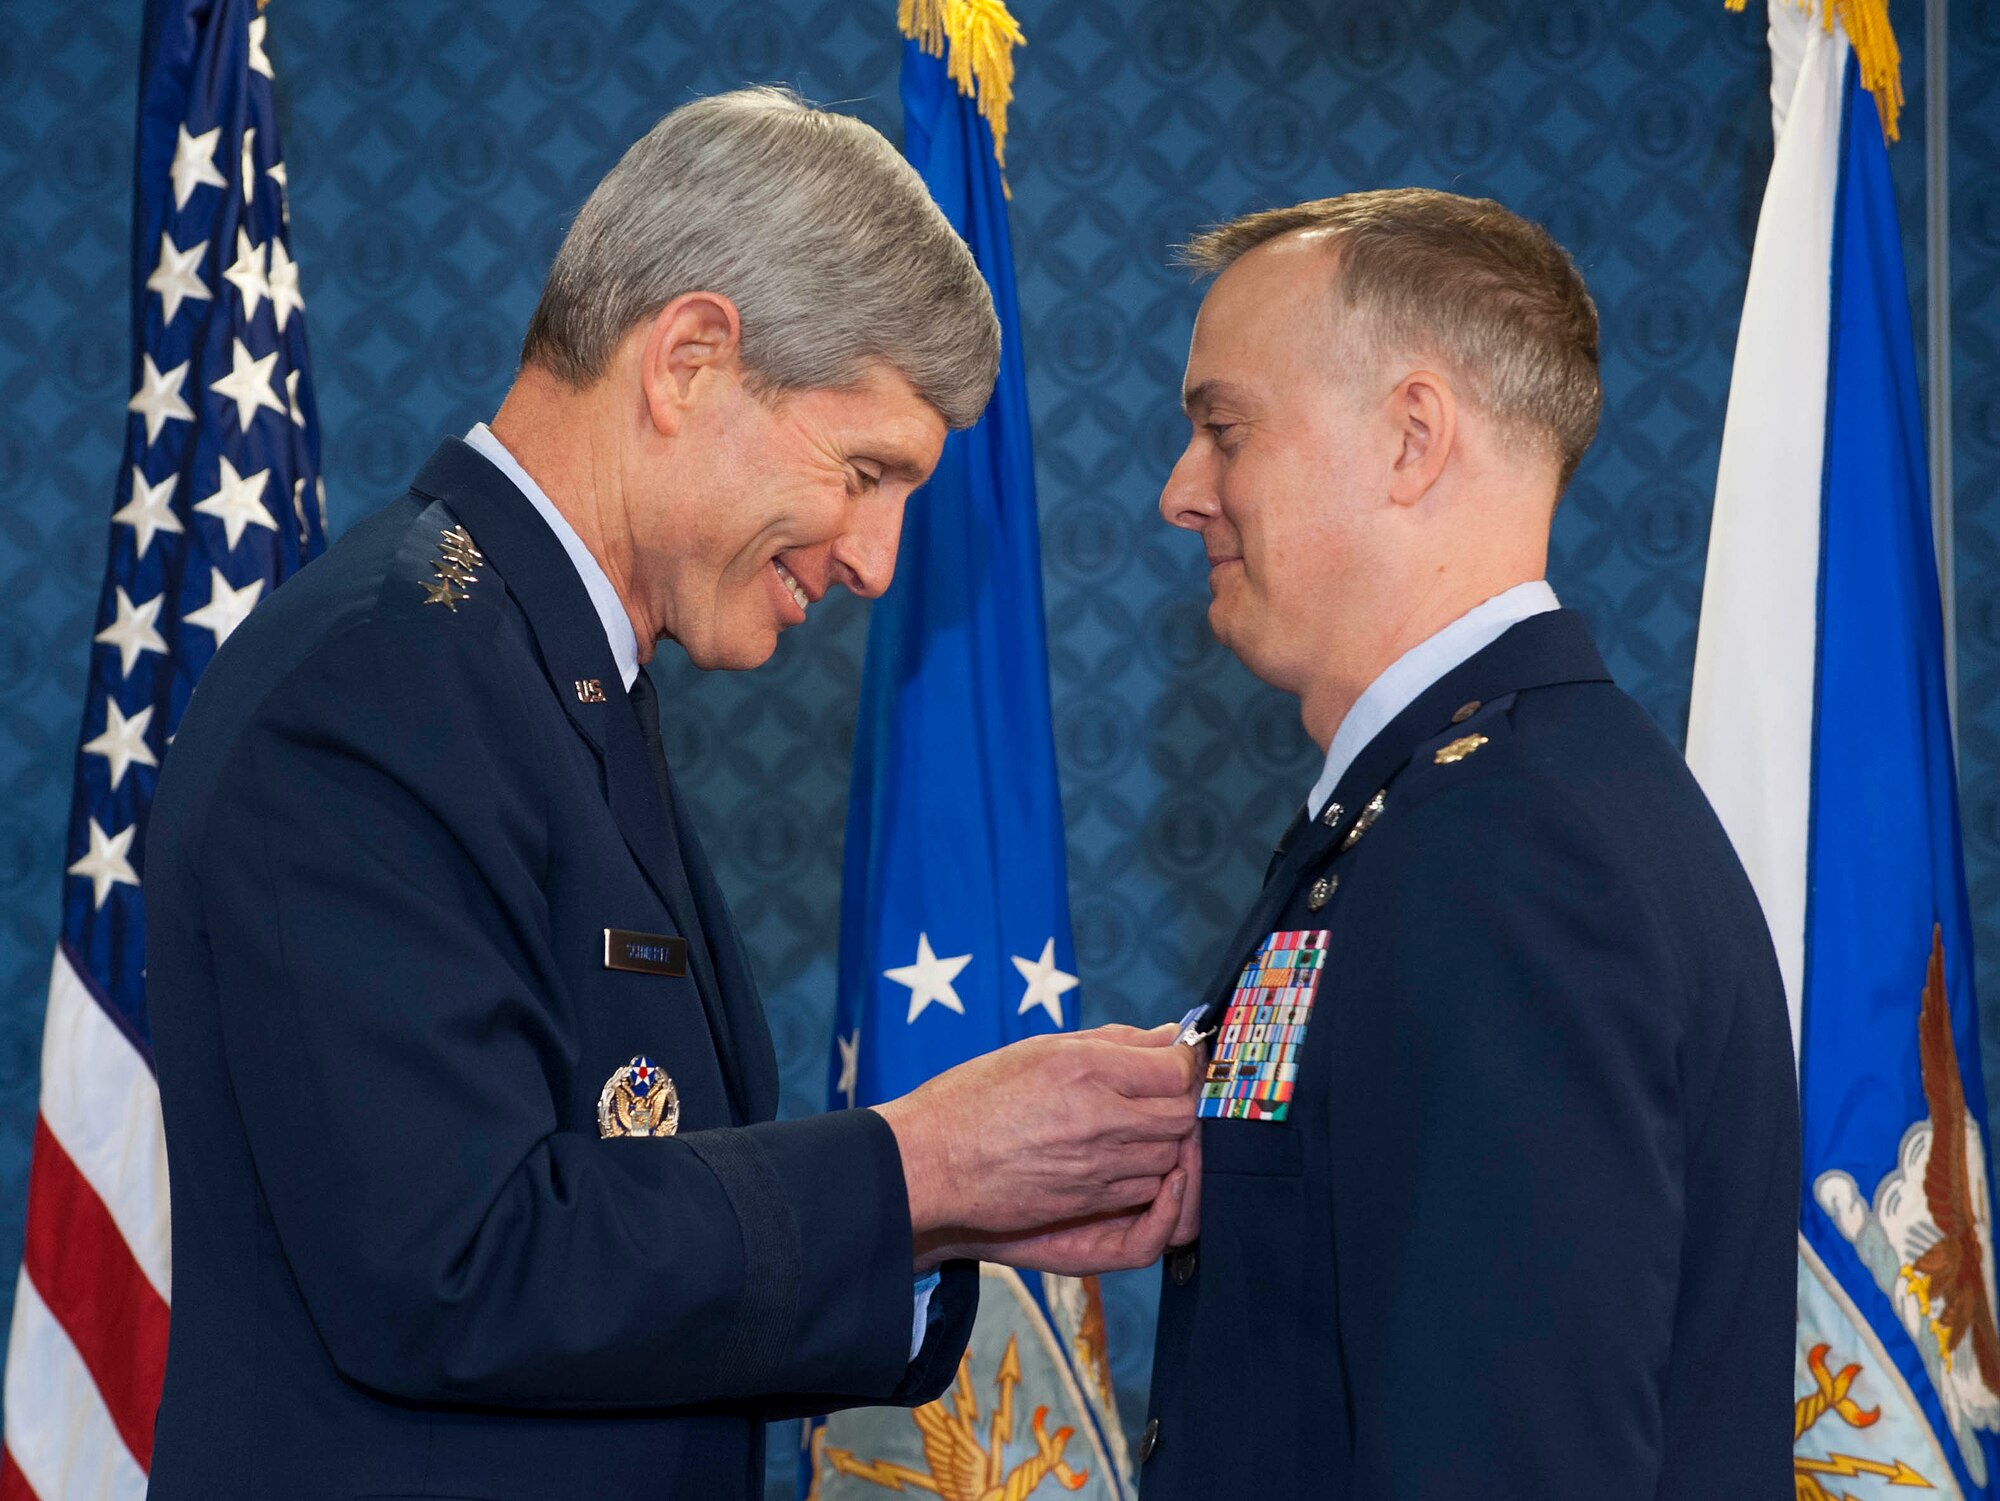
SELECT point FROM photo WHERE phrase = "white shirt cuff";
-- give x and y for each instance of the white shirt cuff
(920, 1316)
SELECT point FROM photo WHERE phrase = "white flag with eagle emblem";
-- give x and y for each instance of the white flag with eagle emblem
(1821, 732)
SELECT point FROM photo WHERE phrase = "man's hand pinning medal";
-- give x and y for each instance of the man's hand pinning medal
(1066, 1153)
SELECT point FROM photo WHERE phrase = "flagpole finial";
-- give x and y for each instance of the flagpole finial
(976, 38)
(1866, 23)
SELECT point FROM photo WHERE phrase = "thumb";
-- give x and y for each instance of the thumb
(1148, 1238)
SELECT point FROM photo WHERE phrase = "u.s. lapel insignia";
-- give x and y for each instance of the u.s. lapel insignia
(456, 569)
(639, 1100)
(589, 690)
(1365, 821)
(1458, 750)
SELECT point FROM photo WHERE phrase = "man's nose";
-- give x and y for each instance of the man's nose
(1188, 499)
(867, 554)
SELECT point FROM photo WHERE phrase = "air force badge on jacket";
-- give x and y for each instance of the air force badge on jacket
(639, 1100)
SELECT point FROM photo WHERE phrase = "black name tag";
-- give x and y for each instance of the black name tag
(645, 953)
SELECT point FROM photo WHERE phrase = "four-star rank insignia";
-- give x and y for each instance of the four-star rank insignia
(639, 1100)
(456, 569)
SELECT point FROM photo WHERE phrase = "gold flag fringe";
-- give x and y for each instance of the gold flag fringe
(1866, 23)
(976, 38)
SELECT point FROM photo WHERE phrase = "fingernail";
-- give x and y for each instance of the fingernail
(1180, 1186)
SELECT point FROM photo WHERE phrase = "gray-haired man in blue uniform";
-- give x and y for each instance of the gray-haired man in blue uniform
(477, 1190)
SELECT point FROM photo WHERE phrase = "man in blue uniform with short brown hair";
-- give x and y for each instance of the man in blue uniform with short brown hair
(1500, 1147)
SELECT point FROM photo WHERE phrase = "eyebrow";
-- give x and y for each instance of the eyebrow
(1210, 393)
(903, 468)
(891, 454)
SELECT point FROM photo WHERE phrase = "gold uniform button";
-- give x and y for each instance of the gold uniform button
(1465, 712)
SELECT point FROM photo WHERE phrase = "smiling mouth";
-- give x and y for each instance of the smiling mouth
(792, 586)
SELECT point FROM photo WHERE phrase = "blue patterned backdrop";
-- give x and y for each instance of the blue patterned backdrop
(436, 152)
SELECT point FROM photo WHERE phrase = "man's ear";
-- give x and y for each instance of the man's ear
(1425, 413)
(697, 334)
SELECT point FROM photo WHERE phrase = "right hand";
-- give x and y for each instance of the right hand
(1044, 1132)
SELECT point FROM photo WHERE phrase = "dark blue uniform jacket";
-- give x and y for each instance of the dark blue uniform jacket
(389, 837)
(1529, 1228)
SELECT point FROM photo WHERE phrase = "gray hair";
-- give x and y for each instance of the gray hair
(810, 222)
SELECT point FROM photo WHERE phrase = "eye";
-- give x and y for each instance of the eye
(867, 478)
(1221, 432)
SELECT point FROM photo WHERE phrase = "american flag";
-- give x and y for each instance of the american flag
(218, 500)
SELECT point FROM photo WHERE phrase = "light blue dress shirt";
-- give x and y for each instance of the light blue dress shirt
(1419, 667)
(617, 624)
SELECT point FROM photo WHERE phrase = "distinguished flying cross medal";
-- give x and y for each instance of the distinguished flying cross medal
(639, 1100)
(456, 569)
(1256, 1059)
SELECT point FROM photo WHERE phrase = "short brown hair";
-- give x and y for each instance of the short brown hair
(1463, 280)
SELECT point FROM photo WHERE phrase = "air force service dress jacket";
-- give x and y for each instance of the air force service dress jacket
(390, 835)
(1527, 1228)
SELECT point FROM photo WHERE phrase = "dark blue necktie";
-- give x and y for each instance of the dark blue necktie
(680, 897)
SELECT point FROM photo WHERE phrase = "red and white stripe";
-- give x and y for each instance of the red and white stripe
(88, 1347)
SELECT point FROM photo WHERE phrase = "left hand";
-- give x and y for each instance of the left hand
(1105, 1243)
(1117, 1242)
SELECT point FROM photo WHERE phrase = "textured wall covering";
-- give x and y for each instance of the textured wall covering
(1975, 346)
(436, 151)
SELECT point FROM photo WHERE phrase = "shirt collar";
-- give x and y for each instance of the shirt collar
(610, 611)
(1419, 667)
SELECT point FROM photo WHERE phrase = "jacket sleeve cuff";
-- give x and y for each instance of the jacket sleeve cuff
(935, 1365)
(824, 1219)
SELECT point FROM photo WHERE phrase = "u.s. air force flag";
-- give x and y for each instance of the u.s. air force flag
(1821, 732)
(955, 933)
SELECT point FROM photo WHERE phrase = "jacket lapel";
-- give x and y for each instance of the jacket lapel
(742, 1032)
(1540, 652)
(570, 639)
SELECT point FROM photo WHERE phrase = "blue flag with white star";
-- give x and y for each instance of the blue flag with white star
(954, 924)
(217, 501)
(1820, 726)
(955, 935)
